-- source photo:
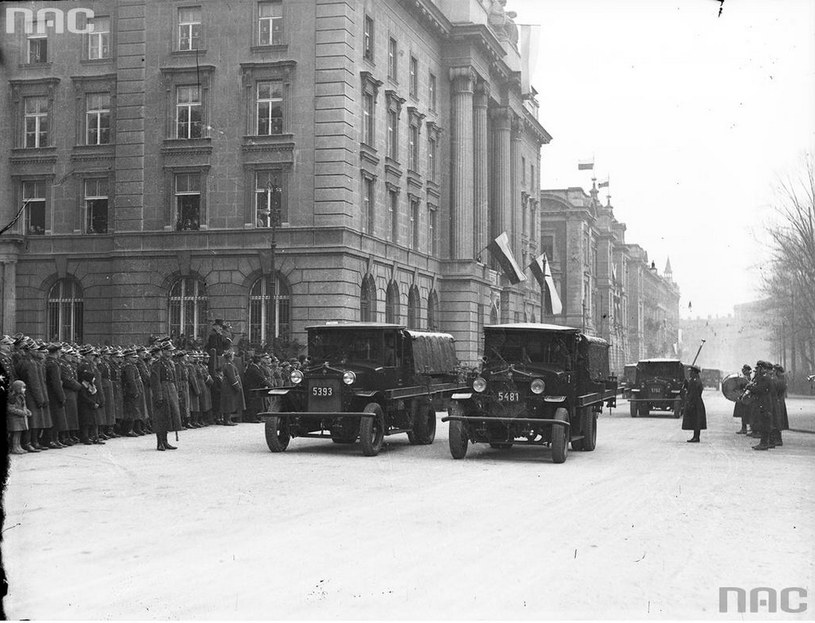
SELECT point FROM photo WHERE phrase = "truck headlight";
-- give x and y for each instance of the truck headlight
(296, 377)
(479, 384)
(537, 386)
(349, 377)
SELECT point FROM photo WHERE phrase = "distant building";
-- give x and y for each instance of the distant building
(377, 147)
(607, 286)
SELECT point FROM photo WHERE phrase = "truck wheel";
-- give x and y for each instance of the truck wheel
(632, 407)
(458, 439)
(372, 430)
(277, 434)
(424, 427)
(560, 437)
(589, 432)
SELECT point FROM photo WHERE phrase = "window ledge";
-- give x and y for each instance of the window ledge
(197, 52)
(93, 152)
(33, 155)
(274, 47)
(96, 61)
(392, 167)
(366, 152)
(186, 145)
(46, 65)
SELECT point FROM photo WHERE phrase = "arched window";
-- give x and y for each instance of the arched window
(65, 311)
(269, 310)
(413, 308)
(433, 311)
(392, 313)
(367, 300)
(188, 308)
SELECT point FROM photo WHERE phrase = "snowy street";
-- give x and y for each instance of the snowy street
(646, 526)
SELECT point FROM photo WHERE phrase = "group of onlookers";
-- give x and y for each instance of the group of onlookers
(59, 394)
(762, 407)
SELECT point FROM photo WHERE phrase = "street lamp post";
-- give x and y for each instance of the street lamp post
(273, 209)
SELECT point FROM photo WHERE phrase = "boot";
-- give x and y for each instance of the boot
(764, 444)
(778, 440)
(167, 443)
(160, 442)
(694, 439)
(743, 431)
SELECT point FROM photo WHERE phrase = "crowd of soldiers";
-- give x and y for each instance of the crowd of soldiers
(762, 407)
(61, 394)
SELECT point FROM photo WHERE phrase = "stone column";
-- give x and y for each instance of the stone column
(515, 186)
(461, 156)
(502, 196)
(481, 216)
(8, 289)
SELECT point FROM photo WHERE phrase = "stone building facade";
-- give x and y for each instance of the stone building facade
(273, 163)
(606, 285)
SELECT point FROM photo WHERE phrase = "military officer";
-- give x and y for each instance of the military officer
(695, 417)
(760, 388)
(166, 414)
(231, 390)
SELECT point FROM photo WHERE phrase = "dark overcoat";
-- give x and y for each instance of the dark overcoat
(56, 395)
(254, 379)
(231, 389)
(695, 417)
(101, 399)
(116, 382)
(166, 414)
(87, 400)
(763, 405)
(144, 372)
(781, 401)
(132, 392)
(36, 394)
(71, 387)
(107, 389)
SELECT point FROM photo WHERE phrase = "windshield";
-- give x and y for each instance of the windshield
(660, 369)
(504, 348)
(346, 346)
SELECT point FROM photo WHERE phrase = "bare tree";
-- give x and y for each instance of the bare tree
(790, 282)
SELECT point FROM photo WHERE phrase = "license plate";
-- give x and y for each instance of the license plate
(655, 390)
(324, 395)
(509, 397)
(320, 391)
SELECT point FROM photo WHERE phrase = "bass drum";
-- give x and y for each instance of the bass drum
(733, 386)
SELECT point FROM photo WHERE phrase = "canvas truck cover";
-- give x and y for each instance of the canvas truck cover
(434, 354)
(595, 350)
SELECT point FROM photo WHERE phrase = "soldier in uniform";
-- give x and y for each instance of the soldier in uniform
(116, 359)
(782, 418)
(56, 396)
(36, 396)
(231, 390)
(255, 379)
(183, 387)
(695, 417)
(142, 427)
(760, 388)
(70, 387)
(166, 414)
(89, 397)
(194, 390)
(132, 393)
(742, 409)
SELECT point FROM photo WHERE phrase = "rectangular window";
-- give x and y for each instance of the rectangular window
(431, 158)
(368, 39)
(269, 199)
(96, 206)
(269, 108)
(189, 112)
(532, 177)
(37, 46)
(97, 119)
(393, 134)
(368, 205)
(188, 201)
(523, 170)
(270, 23)
(36, 121)
(414, 224)
(34, 197)
(394, 209)
(392, 59)
(99, 39)
(548, 244)
(189, 28)
(368, 119)
(431, 91)
(414, 77)
(431, 229)
(413, 146)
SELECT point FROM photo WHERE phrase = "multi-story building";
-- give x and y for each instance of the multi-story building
(606, 285)
(273, 163)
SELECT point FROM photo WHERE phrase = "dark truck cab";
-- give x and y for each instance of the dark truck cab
(657, 385)
(366, 380)
(539, 384)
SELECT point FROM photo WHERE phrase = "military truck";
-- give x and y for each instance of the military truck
(711, 377)
(539, 384)
(365, 381)
(657, 385)
(629, 375)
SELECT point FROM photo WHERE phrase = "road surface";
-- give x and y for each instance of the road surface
(646, 526)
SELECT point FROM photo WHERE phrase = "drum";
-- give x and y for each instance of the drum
(733, 386)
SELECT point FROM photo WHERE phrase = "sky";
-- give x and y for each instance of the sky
(695, 118)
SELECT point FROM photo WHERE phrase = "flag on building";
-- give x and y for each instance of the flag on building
(528, 40)
(585, 165)
(540, 268)
(603, 184)
(499, 249)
